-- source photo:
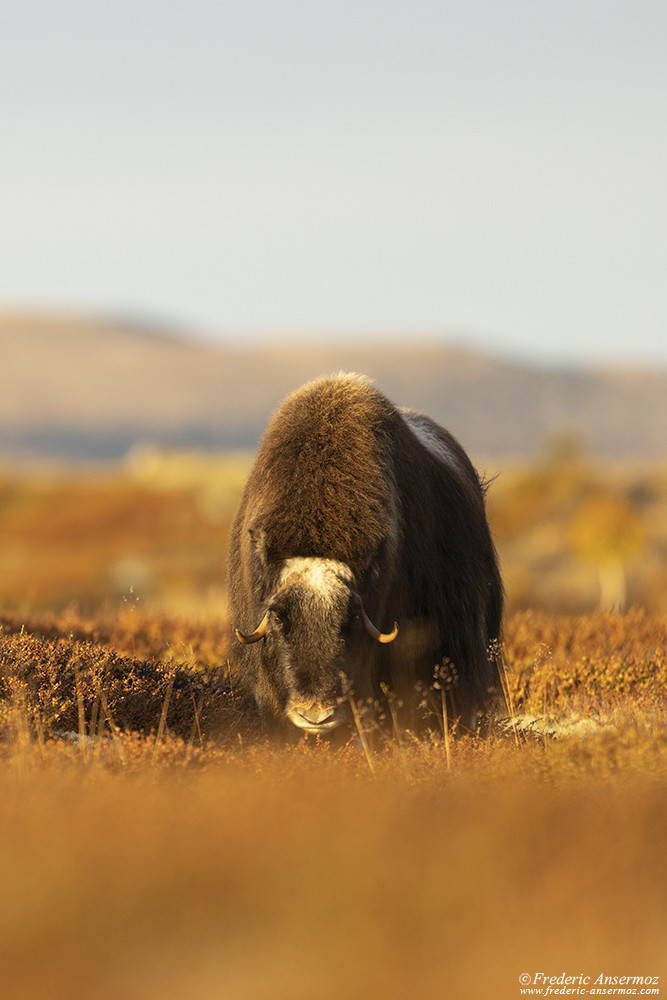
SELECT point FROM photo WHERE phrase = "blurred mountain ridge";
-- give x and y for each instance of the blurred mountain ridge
(78, 388)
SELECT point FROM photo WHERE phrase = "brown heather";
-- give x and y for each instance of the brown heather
(558, 662)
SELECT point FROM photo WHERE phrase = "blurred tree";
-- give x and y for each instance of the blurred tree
(563, 449)
(608, 532)
(548, 490)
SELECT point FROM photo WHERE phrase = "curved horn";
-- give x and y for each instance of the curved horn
(255, 636)
(375, 632)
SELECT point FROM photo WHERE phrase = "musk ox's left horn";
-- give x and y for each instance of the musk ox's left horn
(375, 633)
(255, 636)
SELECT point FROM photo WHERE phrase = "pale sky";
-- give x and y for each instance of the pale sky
(480, 169)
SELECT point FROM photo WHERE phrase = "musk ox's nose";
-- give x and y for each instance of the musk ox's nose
(316, 714)
(316, 717)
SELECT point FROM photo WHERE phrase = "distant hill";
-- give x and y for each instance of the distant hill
(81, 389)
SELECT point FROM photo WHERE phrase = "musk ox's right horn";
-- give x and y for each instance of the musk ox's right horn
(255, 636)
(375, 633)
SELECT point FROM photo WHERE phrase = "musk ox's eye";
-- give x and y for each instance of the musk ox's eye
(280, 618)
(352, 624)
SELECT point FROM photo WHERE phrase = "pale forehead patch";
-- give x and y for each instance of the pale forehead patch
(320, 574)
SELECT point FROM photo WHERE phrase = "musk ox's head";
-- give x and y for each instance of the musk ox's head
(313, 628)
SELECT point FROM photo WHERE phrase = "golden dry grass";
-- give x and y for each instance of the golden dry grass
(303, 877)
(196, 861)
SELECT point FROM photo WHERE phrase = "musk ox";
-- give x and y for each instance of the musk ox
(361, 562)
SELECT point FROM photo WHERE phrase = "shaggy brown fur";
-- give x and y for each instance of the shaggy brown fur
(320, 484)
(344, 475)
